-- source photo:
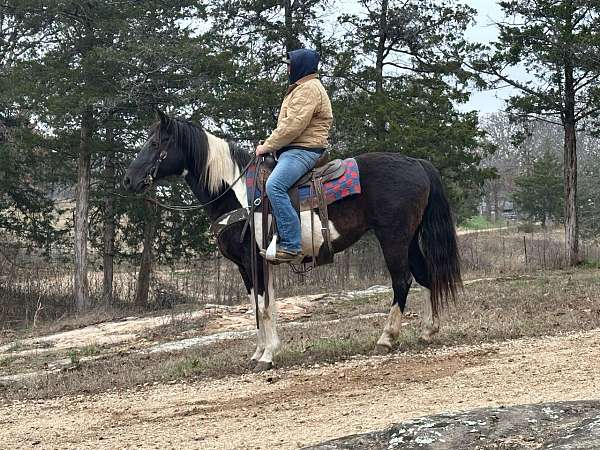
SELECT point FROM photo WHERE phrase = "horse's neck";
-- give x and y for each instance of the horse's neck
(223, 205)
(222, 171)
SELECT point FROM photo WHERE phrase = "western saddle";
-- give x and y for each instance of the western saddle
(314, 179)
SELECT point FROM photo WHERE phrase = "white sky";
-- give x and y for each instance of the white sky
(483, 31)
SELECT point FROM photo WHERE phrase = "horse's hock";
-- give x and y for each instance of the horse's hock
(562, 425)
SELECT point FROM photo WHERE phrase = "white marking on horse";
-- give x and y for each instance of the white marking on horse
(260, 332)
(269, 322)
(306, 239)
(221, 169)
(392, 328)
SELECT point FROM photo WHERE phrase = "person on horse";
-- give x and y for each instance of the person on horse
(298, 141)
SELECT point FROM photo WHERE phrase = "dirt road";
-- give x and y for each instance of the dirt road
(302, 406)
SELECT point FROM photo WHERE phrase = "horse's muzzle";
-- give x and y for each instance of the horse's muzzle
(132, 186)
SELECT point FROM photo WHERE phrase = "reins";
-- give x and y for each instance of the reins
(149, 180)
(204, 205)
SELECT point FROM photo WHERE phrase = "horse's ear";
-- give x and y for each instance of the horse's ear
(164, 120)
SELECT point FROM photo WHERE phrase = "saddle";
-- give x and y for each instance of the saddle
(314, 179)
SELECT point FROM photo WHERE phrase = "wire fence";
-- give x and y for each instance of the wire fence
(30, 287)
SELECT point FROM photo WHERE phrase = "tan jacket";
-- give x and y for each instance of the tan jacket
(305, 117)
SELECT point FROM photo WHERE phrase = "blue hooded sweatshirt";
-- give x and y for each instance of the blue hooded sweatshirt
(303, 62)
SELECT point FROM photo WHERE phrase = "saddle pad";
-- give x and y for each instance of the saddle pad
(347, 184)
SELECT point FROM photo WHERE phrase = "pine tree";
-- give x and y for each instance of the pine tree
(249, 40)
(95, 74)
(556, 41)
(539, 192)
(26, 211)
(397, 83)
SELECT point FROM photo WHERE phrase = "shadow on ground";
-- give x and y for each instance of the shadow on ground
(572, 425)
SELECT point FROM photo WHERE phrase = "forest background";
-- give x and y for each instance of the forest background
(80, 82)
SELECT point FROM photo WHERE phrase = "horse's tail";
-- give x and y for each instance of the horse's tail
(437, 236)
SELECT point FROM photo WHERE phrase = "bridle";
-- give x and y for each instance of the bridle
(151, 177)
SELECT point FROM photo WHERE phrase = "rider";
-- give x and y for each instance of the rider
(298, 141)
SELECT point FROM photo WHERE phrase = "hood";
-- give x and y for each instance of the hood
(303, 62)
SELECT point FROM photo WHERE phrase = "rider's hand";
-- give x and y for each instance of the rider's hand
(261, 150)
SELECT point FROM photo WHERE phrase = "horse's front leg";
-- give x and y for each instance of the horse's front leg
(268, 317)
(260, 333)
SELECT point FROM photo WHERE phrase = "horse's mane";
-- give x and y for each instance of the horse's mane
(205, 153)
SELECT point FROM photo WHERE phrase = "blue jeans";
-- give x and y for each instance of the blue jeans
(292, 164)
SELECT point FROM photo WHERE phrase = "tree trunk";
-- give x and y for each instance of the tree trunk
(144, 275)
(381, 48)
(109, 219)
(570, 171)
(570, 168)
(81, 288)
(291, 39)
(379, 94)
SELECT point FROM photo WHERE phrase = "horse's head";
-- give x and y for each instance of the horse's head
(158, 158)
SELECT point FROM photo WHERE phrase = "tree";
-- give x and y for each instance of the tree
(556, 41)
(245, 76)
(26, 210)
(518, 145)
(99, 64)
(397, 81)
(539, 192)
(589, 188)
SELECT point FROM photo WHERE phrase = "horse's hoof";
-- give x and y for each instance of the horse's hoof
(382, 349)
(252, 363)
(427, 336)
(262, 366)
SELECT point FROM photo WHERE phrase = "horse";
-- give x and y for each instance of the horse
(402, 201)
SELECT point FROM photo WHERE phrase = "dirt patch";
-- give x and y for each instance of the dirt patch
(295, 407)
(216, 318)
(314, 329)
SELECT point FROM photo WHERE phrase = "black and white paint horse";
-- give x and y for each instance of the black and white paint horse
(402, 202)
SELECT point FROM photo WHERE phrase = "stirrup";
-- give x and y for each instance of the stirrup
(294, 259)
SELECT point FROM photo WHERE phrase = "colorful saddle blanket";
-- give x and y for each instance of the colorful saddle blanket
(334, 190)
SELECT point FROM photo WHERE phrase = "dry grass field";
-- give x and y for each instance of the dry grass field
(519, 321)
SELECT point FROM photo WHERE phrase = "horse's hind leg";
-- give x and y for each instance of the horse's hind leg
(396, 258)
(418, 267)
(431, 325)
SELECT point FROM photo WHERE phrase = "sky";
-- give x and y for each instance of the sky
(484, 31)
(488, 12)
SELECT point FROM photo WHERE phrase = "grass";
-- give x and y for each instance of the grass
(543, 303)
(478, 223)
(177, 326)
(325, 350)
(7, 361)
(590, 264)
(87, 351)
